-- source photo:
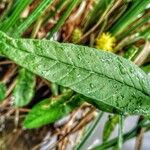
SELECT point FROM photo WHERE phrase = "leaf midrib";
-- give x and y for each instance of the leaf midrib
(73, 65)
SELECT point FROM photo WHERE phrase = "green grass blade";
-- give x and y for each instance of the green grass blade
(15, 15)
(110, 126)
(120, 130)
(90, 131)
(129, 17)
(137, 25)
(146, 68)
(2, 91)
(35, 14)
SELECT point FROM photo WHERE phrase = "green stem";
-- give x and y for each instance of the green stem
(89, 132)
(121, 124)
(61, 21)
(114, 141)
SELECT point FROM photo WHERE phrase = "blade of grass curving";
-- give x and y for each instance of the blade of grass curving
(50, 110)
(35, 14)
(144, 34)
(129, 16)
(24, 89)
(6, 25)
(84, 70)
(62, 19)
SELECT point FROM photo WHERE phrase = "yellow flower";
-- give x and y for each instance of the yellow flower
(105, 42)
(76, 35)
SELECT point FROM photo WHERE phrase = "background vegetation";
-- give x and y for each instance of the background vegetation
(118, 26)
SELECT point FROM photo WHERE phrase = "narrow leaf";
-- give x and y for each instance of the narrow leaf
(130, 16)
(22, 4)
(35, 14)
(24, 89)
(50, 110)
(2, 91)
(109, 126)
(102, 76)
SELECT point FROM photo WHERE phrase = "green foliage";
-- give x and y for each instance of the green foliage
(131, 52)
(146, 68)
(105, 80)
(90, 131)
(7, 24)
(109, 126)
(99, 8)
(102, 76)
(2, 91)
(35, 14)
(129, 16)
(52, 109)
(24, 89)
(61, 21)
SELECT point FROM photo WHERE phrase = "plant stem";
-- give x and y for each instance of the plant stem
(126, 137)
(89, 132)
(140, 134)
(120, 129)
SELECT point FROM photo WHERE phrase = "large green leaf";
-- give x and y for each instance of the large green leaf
(102, 76)
(24, 89)
(50, 110)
